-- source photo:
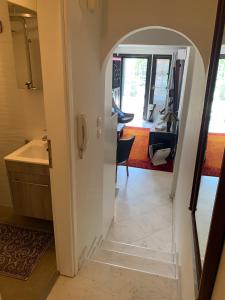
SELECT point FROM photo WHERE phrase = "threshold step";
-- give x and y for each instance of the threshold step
(129, 284)
(137, 251)
(135, 263)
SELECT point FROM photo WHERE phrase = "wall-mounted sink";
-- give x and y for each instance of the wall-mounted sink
(34, 152)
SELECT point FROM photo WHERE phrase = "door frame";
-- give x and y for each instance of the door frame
(205, 276)
(216, 239)
(153, 73)
(178, 80)
(121, 72)
(148, 75)
(57, 102)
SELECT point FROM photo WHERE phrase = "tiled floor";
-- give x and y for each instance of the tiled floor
(143, 218)
(143, 209)
(206, 200)
(107, 282)
(44, 274)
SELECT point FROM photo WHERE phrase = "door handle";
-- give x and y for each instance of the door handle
(82, 135)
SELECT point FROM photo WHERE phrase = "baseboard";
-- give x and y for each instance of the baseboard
(87, 253)
(178, 274)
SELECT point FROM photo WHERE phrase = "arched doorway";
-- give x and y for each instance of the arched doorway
(157, 37)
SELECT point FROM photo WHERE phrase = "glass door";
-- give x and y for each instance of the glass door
(217, 119)
(160, 80)
(134, 78)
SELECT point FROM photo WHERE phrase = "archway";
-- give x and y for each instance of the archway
(190, 91)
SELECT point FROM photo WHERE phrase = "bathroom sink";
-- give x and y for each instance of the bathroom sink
(33, 152)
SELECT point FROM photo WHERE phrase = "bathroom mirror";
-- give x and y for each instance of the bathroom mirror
(24, 28)
(208, 184)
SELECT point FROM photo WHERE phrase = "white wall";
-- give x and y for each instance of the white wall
(21, 111)
(12, 132)
(34, 113)
(31, 4)
(156, 37)
(110, 143)
(183, 111)
(123, 17)
(52, 44)
(83, 47)
(145, 49)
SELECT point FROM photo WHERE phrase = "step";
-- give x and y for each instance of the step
(133, 262)
(138, 251)
(125, 283)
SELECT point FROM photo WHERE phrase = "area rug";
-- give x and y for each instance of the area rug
(139, 153)
(20, 249)
(214, 154)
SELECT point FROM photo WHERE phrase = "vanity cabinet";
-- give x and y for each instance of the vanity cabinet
(30, 189)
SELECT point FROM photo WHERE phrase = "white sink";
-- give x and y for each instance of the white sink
(33, 152)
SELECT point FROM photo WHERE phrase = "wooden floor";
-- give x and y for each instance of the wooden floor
(44, 275)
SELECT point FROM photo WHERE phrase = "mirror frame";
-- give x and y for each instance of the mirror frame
(205, 276)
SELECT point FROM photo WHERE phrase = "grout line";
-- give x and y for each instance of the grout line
(140, 247)
(133, 269)
(158, 260)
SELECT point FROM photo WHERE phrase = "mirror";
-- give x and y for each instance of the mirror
(214, 149)
(24, 28)
(207, 199)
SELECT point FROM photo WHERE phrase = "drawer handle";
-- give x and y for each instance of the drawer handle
(30, 183)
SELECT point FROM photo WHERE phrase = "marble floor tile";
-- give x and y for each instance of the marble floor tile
(147, 265)
(127, 231)
(206, 201)
(138, 251)
(144, 219)
(130, 284)
(160, 240)
(143, 214)
(79, 288)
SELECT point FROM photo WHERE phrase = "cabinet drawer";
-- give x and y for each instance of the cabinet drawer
(30, 178)
(27, 168)
(31, 199)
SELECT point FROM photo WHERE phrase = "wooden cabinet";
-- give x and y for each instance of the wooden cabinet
(30, 189)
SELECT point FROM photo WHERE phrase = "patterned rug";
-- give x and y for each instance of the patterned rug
(20, 250)
(139, 153)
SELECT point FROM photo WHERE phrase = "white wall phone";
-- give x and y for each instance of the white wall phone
(82, 135)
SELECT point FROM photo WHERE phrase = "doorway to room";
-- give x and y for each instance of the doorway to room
(27, 244)
(146, 85)
(135, 76)
(143, 84)
(160, 79)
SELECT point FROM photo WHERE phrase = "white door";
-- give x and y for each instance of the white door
(55, 98)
